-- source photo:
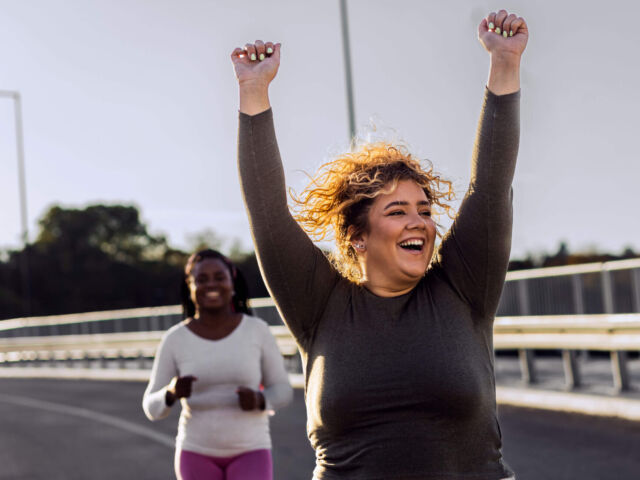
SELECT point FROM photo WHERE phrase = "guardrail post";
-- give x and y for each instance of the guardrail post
(87, 360)
(578, 299)
(607, 292)
(635, 286)
(527, 366)
(620, 370)
(571, 370)
(523, 298)
(141, 360)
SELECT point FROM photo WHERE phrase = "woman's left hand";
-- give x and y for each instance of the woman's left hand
(503, 34)
(250, 399)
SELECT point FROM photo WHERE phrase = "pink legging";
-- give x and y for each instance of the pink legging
(253, 465)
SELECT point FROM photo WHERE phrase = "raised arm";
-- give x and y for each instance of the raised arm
(297, 273)
(474, 253)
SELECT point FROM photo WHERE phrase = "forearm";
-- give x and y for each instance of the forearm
(504, 74)
(254, 98)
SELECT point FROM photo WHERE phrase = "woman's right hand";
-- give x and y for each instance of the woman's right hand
(179, 387)
(256, 65)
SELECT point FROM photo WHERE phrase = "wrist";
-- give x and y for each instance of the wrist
(505, 61)
(254, 98)
(253, 87)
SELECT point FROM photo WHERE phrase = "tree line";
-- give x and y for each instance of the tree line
(103, 257)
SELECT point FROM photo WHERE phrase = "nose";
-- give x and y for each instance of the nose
(417, 221)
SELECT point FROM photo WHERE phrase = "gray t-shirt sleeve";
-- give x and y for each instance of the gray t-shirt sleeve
(297, 273)
(474, 254)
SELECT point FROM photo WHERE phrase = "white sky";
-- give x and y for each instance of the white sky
(135, 102)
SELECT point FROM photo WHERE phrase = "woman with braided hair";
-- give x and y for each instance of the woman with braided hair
(214, 363)
(395, 336)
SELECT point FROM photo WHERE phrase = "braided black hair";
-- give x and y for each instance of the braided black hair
(241, 296)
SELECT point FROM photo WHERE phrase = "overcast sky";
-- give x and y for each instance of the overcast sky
(135, 102)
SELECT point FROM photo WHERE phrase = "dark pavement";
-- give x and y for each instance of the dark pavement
(40, 438)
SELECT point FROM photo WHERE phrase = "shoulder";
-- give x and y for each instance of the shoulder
(255, 323)
(175, 333)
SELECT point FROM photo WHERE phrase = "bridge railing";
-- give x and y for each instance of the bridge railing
(594, 288)
(123, 335)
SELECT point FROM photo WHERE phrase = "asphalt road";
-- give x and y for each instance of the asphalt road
(68, 430)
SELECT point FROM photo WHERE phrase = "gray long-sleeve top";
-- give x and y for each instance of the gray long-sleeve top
(400, 387)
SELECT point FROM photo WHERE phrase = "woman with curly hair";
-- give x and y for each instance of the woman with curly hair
(396, 339)
(214, 363)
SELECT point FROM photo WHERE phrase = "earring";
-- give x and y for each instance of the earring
(359, 246)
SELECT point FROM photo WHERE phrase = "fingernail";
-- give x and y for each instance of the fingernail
(269, 50)
(505, 34)
(262, 57)
(511, 33)
(491, 26)
(253, 57)
(498, 30)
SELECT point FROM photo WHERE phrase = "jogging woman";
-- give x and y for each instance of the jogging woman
(214, 363)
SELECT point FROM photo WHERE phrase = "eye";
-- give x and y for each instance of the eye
(396, 212)
(426, 213)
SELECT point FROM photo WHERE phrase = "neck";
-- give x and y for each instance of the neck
(214, 317)
(386, 287)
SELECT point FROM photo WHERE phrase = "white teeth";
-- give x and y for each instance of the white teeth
(213, 294)
(418, 243)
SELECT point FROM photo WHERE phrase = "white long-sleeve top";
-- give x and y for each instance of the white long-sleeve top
(211, 421)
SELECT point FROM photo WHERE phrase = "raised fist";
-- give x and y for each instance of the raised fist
(257, 63)
(503, 34)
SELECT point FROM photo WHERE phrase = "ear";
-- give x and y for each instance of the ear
(357, 240)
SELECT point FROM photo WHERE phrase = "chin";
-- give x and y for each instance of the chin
(415, 272)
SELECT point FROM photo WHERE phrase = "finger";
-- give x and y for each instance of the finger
(518, 25)
(238, 53)
(491, 21)
(507, 29)
(483, 27)
(261, 51)
(269, 48)
(251, 51)
(500, 18)
(276, 52)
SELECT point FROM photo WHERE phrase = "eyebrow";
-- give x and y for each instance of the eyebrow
(403, 203)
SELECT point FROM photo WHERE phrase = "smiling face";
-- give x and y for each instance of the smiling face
(211, 285)
(398, 246)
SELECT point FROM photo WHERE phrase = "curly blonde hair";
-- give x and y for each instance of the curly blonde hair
(342, 191)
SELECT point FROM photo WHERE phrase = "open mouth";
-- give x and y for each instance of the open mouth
(412, 245)
(212, 295)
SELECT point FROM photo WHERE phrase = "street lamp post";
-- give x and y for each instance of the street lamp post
(22, 188)
(347, 67)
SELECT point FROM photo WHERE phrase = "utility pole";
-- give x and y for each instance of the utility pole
(22, 189)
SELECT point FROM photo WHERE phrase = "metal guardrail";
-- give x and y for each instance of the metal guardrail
(594, 288)
(617, 334)
(135, 333)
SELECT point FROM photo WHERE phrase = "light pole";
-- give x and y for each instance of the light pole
(22, 188)
(347, 68)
